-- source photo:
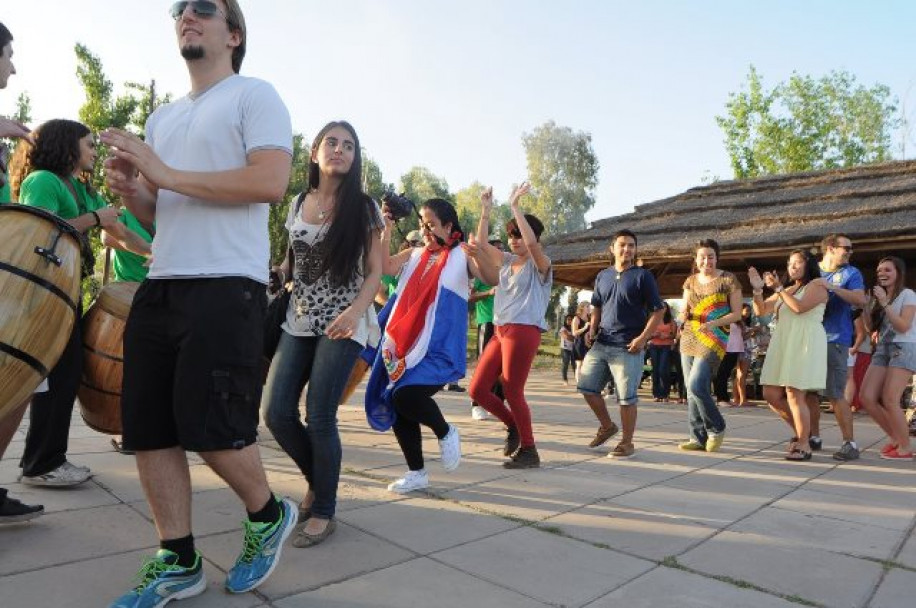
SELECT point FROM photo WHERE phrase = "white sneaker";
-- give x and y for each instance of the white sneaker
(64, 475)
(478, 413)
(413, 480)
(450, 449)
(76, 467)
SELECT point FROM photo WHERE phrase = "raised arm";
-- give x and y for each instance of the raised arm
(815, 293)
(491, 254)
(901, 323)
(760, 306)
(531, 242)
(391, 264)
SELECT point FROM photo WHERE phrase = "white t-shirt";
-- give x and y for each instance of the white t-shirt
(216, 131)
(907, 297)
(315, 302)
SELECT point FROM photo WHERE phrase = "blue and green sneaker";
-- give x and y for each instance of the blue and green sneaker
(263, 544)
(162, 580)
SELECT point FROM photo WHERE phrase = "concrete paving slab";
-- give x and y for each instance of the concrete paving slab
(84, 496)
(907, 555)
(426, 525)
(816, 575)
(60, 538)
(419, 583)
(347, 553)
(806, 530)
(526, 560)
(670, 587)
(638, 532)
(857, 509)
(896, 590)
(521, 496)
(97, 582)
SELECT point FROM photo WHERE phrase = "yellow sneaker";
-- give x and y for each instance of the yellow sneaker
(714, 442)
(692, 446)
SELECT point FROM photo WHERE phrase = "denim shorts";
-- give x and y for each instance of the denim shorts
(603, 361)
(895, 354)
(837, 370)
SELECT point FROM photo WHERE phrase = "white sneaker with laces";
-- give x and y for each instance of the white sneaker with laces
(76, 467)
(450, 449)
(64, 475)
(413, 480)
(478, 413)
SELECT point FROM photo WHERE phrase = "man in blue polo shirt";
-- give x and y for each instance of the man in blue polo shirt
(847, 290)
(626, 310)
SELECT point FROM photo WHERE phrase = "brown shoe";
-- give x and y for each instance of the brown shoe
(603, 435)
(304, 539)
(623, 450)
(525, 458)
(513, 440)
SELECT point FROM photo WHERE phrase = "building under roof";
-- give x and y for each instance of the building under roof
(757, 223)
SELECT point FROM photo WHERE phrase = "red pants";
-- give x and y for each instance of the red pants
(858, 374)
(509, 354)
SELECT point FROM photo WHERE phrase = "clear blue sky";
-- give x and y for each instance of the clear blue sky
(453, 85)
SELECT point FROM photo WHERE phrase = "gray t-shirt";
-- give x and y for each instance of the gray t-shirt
(522, 298)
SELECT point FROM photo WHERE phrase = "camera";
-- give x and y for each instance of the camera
(398, 205)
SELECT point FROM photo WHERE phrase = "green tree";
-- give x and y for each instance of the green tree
(373, 183)
(23, 108)
(807, 124)
(420, 184)
(563, 170)
(276, 223)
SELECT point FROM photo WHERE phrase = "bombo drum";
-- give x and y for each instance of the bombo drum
(103, 357)
(40, 262)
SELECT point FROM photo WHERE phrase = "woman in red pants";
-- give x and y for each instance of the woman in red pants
(523, 279)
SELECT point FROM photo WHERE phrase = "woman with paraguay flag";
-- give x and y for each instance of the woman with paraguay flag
(712, 302)
(424, 340)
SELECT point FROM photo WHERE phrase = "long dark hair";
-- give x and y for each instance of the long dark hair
(812, 270)
(56, 149)
(446, 213)
(667, 318)
(877, 311)
(348, 235)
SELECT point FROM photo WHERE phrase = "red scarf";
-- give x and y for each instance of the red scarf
(409, 318)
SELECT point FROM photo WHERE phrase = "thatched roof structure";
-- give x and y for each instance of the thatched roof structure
(756, 222)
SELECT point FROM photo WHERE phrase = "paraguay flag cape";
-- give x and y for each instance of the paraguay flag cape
(437, 356)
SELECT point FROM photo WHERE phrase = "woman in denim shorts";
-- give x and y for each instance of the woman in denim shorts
(890, 311)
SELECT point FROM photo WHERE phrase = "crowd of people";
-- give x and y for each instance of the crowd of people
(193, 228)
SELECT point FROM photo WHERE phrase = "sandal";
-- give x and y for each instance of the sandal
(798, 455)
(304, 539)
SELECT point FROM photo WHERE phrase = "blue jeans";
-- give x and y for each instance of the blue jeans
(703, 414)
(603, 362)
(661, 370)
(325, 365)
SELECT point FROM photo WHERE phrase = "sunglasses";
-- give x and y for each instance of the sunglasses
(201, 8)
(515, 234)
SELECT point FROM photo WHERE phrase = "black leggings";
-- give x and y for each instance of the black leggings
(415, 406)
(723, 375)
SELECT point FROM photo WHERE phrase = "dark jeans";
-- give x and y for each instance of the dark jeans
(703, 415)
(678, 375)
(325, 365)
(568, 361)
(661, 370)
(50, 412)
(722, 376)
(415, 406)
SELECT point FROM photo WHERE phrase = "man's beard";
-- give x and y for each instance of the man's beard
(190, 53)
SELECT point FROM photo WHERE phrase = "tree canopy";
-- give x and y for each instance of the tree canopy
(807, 124)
(563, 170)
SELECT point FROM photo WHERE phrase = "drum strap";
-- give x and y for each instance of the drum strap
(25, 358)
(41, 283)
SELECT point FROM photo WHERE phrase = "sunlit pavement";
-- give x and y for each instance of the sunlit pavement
(739, 527)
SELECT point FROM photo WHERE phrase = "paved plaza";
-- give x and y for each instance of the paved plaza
(741, 527)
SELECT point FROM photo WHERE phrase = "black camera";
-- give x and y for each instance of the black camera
(398, 205)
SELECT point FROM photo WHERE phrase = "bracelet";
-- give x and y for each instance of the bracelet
(777, 289)
(98, 220)
(757, 292)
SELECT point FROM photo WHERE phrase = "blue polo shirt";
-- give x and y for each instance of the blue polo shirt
(626, 300)
(838, 315)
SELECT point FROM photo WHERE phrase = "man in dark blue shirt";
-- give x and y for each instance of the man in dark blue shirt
(626, 310)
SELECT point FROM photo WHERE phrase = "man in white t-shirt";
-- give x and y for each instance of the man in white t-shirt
(211, 164)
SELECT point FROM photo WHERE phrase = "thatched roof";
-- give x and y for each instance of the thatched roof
(761, 218)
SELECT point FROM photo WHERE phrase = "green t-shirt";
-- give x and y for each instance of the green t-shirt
(5, 193)
(483, 307)
(48, 191)
(129, 266)
(391, 282)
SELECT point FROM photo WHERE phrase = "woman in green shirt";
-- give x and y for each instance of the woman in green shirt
(48, 175)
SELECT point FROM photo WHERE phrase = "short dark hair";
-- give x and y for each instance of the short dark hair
(537, 226)
(707, 244)
(624, 232)
(831, 240)
(5, 36)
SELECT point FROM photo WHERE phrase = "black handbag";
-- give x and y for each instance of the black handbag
(276, 310)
